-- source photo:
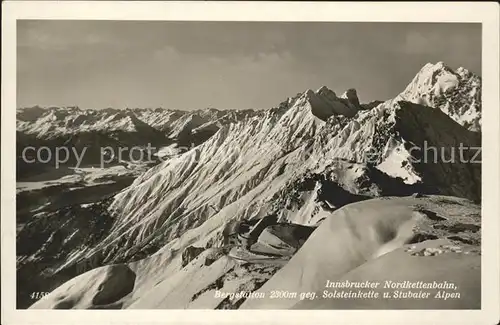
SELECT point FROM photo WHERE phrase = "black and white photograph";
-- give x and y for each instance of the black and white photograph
(249, 165)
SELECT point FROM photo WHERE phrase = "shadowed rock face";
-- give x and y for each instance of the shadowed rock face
(50, 238)
(190, 254)
(352, 96)
(439, 139)
(325, 103)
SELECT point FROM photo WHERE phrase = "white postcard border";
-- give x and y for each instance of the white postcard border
(486, 13)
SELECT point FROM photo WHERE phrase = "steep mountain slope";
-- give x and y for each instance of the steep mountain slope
(56, 194)
(457, 93)
(239, 171)
(293, 164)
(449, 156)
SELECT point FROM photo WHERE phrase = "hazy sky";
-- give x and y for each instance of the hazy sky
(190, 65)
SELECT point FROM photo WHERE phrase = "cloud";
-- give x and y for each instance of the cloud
(48, 38)
(418, 43)
(37, 39)
(256, 61)
(166, 53)
(437, 43)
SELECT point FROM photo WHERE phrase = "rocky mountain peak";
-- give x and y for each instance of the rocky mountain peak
(324, 103)
(325, 91)
(352, 96)
(456, 93)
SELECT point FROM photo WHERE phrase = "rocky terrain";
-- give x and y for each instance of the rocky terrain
(319, 187)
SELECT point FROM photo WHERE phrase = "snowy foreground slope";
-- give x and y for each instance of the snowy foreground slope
(386, 239)
(279, 197)
(433, 238)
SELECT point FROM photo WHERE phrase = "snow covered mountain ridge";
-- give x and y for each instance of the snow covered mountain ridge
(48, 123)
(457, 93)
(245, 168)
(287, 167)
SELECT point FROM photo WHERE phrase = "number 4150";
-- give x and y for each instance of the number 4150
(38, 294)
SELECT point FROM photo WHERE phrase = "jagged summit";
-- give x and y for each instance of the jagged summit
(323, 90)
(352, 96)
(457, 93)
(463, 72)
(437, 65)
(432, 74)
(324, 103)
